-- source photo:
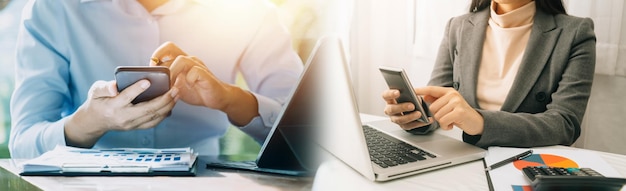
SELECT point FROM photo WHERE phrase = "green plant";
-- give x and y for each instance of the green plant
(6, 87)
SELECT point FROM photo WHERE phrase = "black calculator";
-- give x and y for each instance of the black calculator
(556, 178)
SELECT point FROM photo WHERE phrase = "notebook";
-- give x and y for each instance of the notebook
(289, 148)
(343, 135)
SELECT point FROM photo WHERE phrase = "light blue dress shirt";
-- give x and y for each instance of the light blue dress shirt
(65, 46)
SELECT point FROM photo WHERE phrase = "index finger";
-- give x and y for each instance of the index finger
(165, 54)
(433, 91)
(182, 64)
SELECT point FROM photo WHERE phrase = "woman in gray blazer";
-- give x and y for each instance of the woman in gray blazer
(509, 73)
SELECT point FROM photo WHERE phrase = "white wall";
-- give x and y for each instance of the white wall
(603, 125)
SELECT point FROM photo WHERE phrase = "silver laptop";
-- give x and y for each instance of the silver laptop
(343, 135)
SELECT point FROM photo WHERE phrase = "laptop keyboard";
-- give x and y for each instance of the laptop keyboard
(387, 151)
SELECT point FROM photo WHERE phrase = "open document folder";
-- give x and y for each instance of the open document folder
(70, 161)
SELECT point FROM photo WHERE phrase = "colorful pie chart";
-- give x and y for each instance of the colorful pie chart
(545, 160)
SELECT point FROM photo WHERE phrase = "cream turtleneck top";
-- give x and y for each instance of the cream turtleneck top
(505, 41)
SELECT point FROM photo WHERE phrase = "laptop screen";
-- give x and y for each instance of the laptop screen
(339, 117)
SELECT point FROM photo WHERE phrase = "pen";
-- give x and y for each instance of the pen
(509, 160)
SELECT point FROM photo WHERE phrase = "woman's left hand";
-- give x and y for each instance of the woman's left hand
(450, 109)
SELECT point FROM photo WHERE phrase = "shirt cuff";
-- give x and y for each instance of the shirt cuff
(471, 139)
(56, 134)
(260, 126)
(256, 129)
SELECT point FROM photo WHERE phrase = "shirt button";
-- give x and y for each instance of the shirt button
(541, 97)
(455, 85)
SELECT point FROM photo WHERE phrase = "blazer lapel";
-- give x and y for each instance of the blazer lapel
(541, 42)
(473, 37)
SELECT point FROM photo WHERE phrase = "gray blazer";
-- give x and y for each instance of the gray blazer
(547, 101)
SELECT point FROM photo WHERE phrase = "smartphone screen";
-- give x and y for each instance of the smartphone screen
(396, 79)
(159, 77)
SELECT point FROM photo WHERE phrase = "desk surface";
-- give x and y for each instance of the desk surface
(332, 175)
(206, 179)
(336, 175)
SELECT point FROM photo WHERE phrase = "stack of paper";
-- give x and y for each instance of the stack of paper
(68, 160)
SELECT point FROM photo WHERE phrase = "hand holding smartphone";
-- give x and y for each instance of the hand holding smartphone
(159, 77)
(396, 78)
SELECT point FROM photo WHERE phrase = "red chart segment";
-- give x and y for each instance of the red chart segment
(545, 160)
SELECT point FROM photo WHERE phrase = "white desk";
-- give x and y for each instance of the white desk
(335, 175)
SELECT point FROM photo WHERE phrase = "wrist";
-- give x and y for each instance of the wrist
(241, 106)
(80, 133)
(479, 125)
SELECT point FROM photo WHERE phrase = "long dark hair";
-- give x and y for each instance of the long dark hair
(553, 7)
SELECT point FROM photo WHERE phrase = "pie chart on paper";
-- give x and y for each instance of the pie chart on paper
(545, 160)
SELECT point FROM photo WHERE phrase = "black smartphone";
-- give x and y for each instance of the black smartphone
(397, 79)
(159, 77)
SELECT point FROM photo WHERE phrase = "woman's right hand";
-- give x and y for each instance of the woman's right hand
(107, 109)
(395, 110)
